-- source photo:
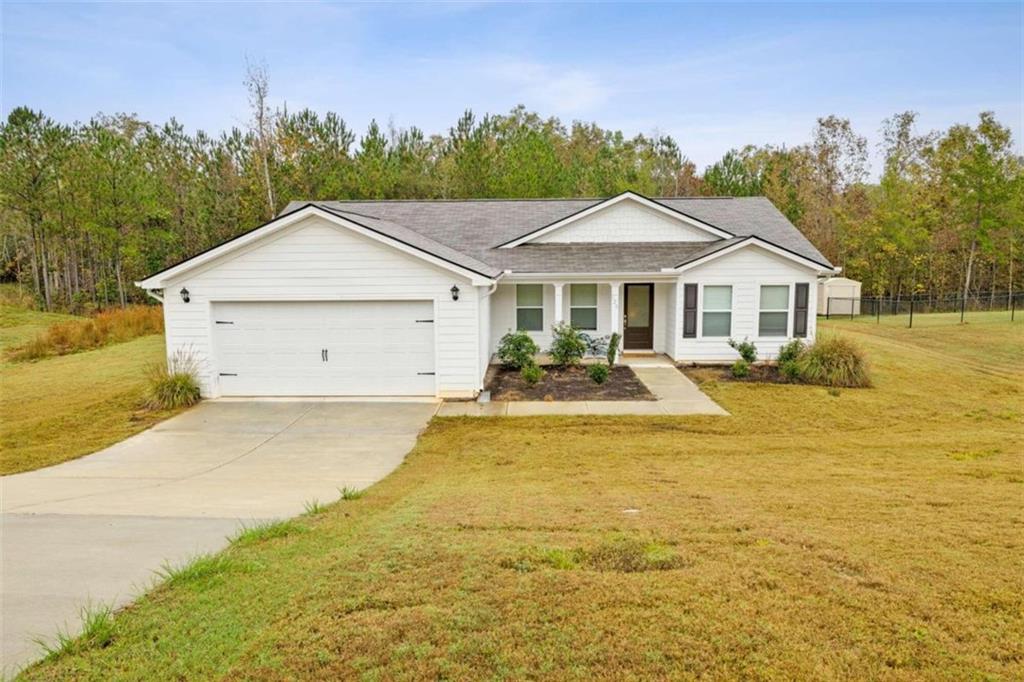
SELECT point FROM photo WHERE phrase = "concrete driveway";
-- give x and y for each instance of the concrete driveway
(94, 529)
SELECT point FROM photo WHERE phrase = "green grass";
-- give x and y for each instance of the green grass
(870, 533)
(997, 347)
(60, 408)
(97, 631)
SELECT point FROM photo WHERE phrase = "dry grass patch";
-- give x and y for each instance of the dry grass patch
(808, 536)
(110, 326)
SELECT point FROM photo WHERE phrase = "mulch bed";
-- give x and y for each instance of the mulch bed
(759, 374)
(567, 383)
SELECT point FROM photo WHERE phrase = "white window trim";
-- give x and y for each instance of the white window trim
(529, 307)
(594, 307)
(700, 310)
(788, 310)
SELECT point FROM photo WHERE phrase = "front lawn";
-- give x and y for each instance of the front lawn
(60, 408)
(876, 533)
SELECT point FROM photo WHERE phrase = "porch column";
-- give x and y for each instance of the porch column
(559, 310)
(616, 321)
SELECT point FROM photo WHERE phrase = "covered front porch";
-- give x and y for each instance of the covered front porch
(641, 309)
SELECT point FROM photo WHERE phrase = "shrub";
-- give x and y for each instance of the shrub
(834, 361)
(746, 349)
(111, 326)
(532, 374)
(790, 370)
(516, 350)
(175, 384)
(567, 347)
(740, 368)
(790, 352)
(598, 373)
(613, 348)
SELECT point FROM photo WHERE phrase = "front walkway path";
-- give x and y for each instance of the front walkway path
(676, 394)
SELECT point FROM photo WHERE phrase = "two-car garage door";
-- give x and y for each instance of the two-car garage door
(329, 348)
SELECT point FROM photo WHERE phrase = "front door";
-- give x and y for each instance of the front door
(638, 326)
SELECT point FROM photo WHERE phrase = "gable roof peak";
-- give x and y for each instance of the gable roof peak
(627, 195)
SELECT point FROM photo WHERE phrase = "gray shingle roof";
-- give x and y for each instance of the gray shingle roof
(469, 232)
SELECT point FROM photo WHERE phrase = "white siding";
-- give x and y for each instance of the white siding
(316, 260)
(484, 348)
(745, 270)
(626, 221)
(668, 332)
(503, 313)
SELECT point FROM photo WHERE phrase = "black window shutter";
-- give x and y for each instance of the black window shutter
(800, 309)
(689, 311)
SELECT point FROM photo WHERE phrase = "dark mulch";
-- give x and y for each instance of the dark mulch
(759, 374)
(567, 383)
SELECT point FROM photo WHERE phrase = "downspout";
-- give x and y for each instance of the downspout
(487, 350)
(155, 297)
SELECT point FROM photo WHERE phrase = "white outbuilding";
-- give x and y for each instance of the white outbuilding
(845, 295)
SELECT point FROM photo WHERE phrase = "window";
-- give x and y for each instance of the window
(716, 319)
(774, 320)
(530, 307)
(583, 306)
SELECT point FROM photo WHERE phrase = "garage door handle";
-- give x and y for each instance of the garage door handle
(326, 357)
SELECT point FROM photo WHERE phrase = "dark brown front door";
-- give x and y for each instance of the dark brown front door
(638, 325)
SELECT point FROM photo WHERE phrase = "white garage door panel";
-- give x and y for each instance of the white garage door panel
(373, 347)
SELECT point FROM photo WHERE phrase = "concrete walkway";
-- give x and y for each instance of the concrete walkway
(94, 529)
(676, 394)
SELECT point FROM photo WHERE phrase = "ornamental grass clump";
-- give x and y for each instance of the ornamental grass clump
(834, 361)
(175, 384)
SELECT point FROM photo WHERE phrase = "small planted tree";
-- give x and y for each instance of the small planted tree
(567, 346)
(746, 349)
(613, 348)
(516, 350)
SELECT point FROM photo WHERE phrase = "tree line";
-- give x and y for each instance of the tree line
(88, 208)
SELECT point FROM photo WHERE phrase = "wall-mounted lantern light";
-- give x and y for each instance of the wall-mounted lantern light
(455, 292)
(184, 295)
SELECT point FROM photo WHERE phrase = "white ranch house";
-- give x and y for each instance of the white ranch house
(410, 298)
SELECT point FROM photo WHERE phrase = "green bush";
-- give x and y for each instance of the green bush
(740, 368)
(746, 349)
(532, 374)
(567, 347)
(834, 361)
(175, 384)
(599, 373)
(790, 370)
(613, 348)
(516, 350)
(790, 352)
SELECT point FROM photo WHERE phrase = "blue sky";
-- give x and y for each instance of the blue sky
(713, 76)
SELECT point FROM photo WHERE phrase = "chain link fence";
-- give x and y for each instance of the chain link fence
(952, 307)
